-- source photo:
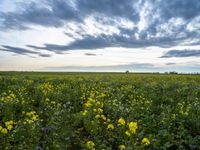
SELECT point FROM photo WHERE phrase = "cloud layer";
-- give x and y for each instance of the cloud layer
(153, 23)
(22, 51)
(88, 25)
(182, 53)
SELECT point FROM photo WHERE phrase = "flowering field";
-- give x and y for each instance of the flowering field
(99, 111)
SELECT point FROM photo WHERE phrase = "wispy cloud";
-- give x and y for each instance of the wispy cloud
(22, 51)
(90, 54)
(167, 24)
(124, 67)
(182, 53)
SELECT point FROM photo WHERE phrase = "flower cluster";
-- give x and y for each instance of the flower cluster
(8, 127)
(90, 145)
(121, 121)
(30, 117)
(145, 141)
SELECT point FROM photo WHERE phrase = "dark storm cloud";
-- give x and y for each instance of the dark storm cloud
(86, 43)
(182, 53)
(103, 41)
(55, 13)
(34, 13)
(22, 51)
(186, 9)
(119, 8)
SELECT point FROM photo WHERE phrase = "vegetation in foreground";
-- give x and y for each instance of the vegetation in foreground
(99, 111)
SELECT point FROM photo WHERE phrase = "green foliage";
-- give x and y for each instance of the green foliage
(99, 111)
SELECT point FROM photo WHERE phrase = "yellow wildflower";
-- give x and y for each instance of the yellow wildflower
(98, 103)
(128, 133)
(30, 121)
(9, 127)
(53, 102)
(121, 121)
(97, 116)
(90, 145)
(100, 110)
(88, 104)
(28, 114)
(47, 99)
(4, 131)
(145, 141)
(7, 123)
(122, 147)
(133, 127)
(95, 110)
(1, 128)
(108, 120)
(84, 112)
(103, 117)
(110, 126)
(34, 118)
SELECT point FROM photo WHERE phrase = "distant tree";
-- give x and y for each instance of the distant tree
(127, 71)
(173, 72)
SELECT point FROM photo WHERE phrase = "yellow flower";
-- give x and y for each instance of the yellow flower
(97, 116)
(98, 103)
(90, 99)
(121, 121)
(90, 145)
(84, 112)
(88, 104)
(4, 131)
(100, 110)
(28, 114)
(103, 117)
(30, 121)
(1, 128)
(110, 126)
(133, 127)
(7, 123)
(34, 118)
(145, 141)
(108, 120)
(128, 133)
(122, 147)
(9, 127)
(53, 102)
(95, 110)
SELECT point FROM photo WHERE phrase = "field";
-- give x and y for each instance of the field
(99, 111)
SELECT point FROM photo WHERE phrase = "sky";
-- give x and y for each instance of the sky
(100, 35)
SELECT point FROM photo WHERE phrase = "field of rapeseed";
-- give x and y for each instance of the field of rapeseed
(101, 111)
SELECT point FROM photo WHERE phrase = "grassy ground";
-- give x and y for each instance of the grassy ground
(99, 111)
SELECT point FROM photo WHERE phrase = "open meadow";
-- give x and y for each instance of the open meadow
(110, 111)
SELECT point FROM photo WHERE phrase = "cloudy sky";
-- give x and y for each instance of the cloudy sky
(100, 35)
